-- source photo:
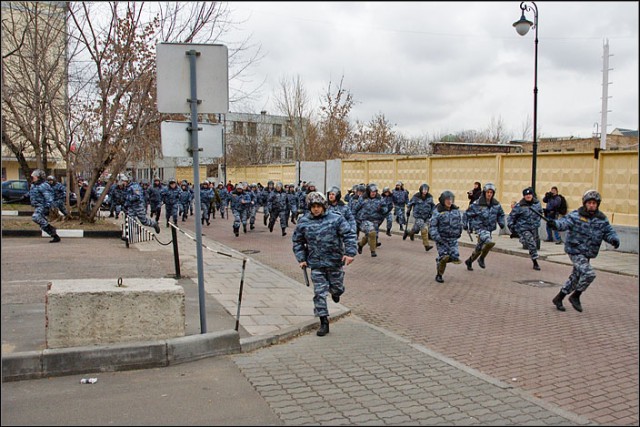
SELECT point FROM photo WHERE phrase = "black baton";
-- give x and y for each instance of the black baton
(306, 276)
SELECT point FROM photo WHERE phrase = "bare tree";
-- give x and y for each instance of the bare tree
(375, 137)
(497, 133)
(292, 100)
(114, 118)
(334, 128)
(34, 82)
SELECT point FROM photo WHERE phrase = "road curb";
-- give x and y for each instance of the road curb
(117, 357)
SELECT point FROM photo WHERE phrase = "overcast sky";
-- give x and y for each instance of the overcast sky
(443, 67)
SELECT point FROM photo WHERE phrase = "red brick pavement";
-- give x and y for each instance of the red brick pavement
(584, 362)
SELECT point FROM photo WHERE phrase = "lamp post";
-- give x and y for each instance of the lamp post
(522, 27)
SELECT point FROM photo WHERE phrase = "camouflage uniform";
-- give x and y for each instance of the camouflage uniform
(185, 201)
(422, 206)
(41, 198)
(293, 203)
(134, 205)
(206, 196)
(59, 195)
(278, 202)
(155, 198)
(388, 199)
(400, 200)
(370, 211)
(322, 241)
(481, 217)
(240, 205)
(446, 229)
(263, 200)
(340, 207)
(586, 231)
(525, 224)
(171, 200)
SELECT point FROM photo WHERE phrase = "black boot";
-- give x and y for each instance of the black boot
(405, 234)
(388, 232)
(236, 231)
(481, 262)
(284, 231)
(51, 231)
(574, 299)
(557, 301)
(244, 228)
(265, 219)
(252, 226)
(535, 265)
(401, 227)
(335, 298)
(468, 263)
(439, 278)
(324, 326)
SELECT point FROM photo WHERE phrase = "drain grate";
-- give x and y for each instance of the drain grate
(250, 251)
(537, 283)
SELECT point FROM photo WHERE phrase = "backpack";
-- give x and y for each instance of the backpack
(562, 209)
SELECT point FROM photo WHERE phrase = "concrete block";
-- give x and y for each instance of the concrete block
(98, 311)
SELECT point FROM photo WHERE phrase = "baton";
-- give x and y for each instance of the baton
(539, 214)
(306, 276)
(470, 236)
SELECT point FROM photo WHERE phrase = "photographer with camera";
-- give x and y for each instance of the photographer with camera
(553, 211)
(474, 194)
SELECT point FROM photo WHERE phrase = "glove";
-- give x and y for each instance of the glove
(616, 244)
(552, 224)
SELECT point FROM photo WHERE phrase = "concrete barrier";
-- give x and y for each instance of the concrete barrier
(102, 311)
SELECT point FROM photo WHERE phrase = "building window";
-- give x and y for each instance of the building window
(277, 130)
(288, 153)
(276, 153)
(238, 128)
(288, 131)
(252, 128)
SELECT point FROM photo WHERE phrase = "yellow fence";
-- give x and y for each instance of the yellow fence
(614, 174)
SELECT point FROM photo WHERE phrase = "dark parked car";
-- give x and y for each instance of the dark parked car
(17, 191)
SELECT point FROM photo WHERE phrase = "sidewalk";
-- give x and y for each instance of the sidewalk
(361, 374)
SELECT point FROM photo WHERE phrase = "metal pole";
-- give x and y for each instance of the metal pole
(193, 130)
(176, 254)
(535, 104)
(244, 263)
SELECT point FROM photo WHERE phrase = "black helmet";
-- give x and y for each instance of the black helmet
(335, 190)
(371, 188)
(361, 187)
(446, 194)
(424, 186)
(591, 195)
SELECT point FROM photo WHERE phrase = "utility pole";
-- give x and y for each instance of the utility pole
(605, 94)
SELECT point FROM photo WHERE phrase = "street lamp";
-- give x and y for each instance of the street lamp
(522, 27)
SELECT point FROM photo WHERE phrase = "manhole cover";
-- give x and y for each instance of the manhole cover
(537, 283)
(250, 251)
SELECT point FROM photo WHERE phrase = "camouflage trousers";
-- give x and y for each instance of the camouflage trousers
(581, 276)
(282, 214)
(529, 239)
(140, 212)
(447, 247)
(204, 210)
(483, 236)
(40, 216)
(420, 225)
(399, 212)
(184, 209)
(172, 212)
(326, 281)
(239, 217)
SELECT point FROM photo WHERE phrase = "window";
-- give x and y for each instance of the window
(288, 153)
(238, 128)
(276, 153)
(288, 131)
(277, 130)
(252, 128)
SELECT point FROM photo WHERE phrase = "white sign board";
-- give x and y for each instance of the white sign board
(176, 139)
(174, 77)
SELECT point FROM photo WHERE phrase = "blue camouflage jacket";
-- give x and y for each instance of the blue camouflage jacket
(41, 195)
(422, 208)
(480, 216)
(521, 218)
(344, 210)
(446, 224)
(400, 197)
(370, 209)
(322, 241)
(586, 232)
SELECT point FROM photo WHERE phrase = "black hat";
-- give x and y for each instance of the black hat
(527, 190)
